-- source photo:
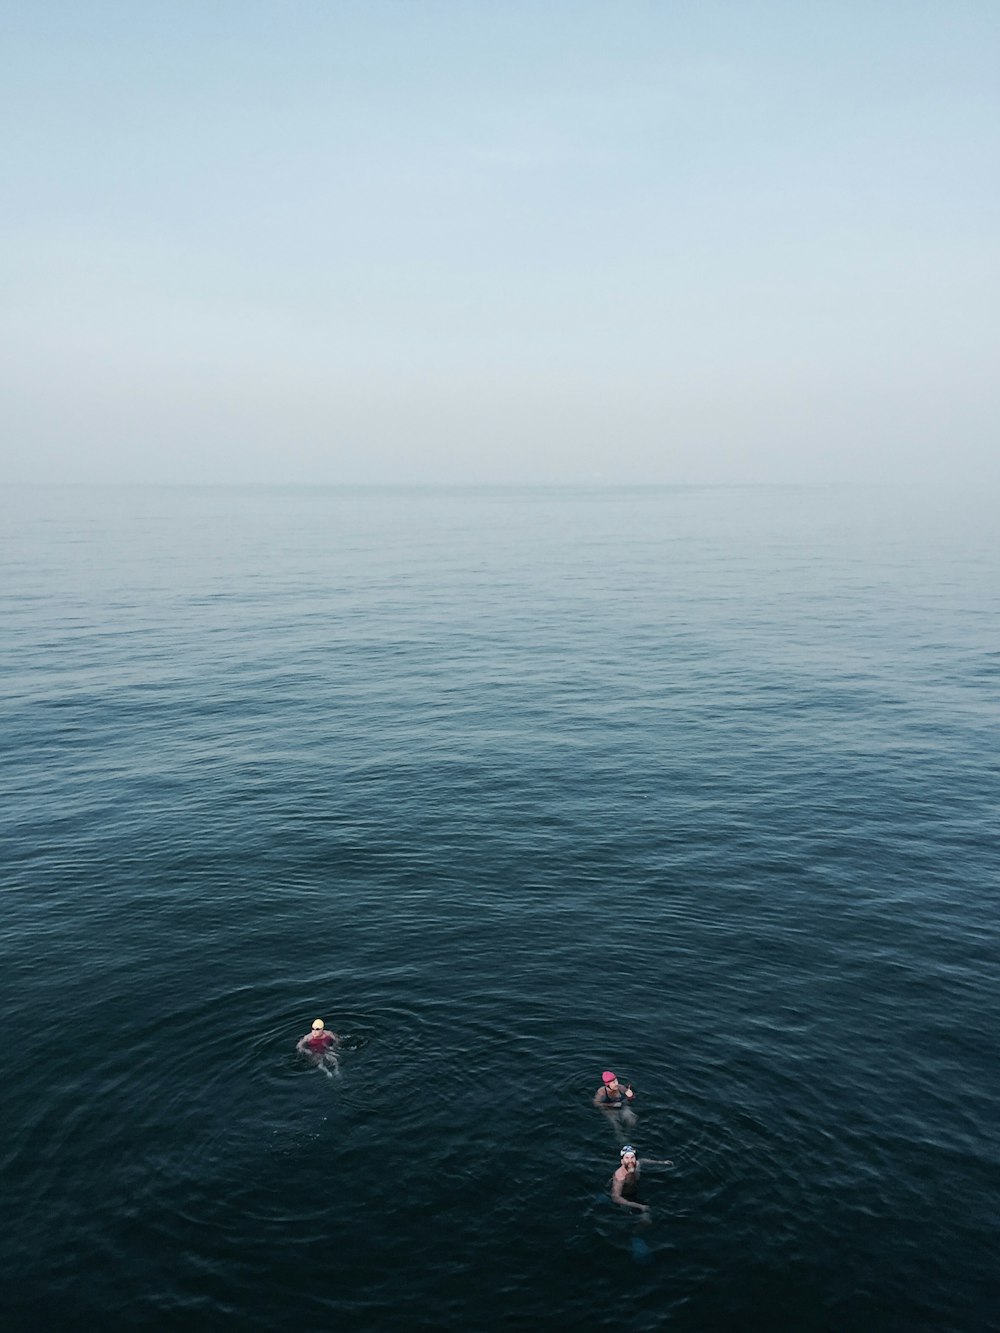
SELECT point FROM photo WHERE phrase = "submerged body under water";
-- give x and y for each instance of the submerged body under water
(513, 787)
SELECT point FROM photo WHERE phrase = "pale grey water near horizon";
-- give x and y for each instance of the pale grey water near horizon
(699, 784)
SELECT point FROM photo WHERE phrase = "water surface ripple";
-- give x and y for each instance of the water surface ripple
(511, 787)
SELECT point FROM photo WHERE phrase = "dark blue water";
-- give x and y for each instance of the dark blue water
(700, 785)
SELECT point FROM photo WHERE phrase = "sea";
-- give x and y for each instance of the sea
(510, 787)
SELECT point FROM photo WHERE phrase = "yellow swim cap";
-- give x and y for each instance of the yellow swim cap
(317, 1022)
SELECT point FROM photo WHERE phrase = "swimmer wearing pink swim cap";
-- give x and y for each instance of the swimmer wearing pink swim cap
(615, 1099)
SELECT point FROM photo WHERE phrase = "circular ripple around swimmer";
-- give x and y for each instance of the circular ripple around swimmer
(267, 1104)
(193, 1122)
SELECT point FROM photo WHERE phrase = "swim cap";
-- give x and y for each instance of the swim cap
(317, 1022)
(628, 1151)
(608, 1077)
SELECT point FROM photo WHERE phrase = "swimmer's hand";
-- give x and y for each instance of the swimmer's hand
(629, 1093)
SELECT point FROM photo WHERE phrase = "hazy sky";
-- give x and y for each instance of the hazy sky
(504, 241)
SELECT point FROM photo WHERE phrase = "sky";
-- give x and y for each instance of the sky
(500, 242)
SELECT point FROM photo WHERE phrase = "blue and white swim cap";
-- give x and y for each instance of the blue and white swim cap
(628, 1151)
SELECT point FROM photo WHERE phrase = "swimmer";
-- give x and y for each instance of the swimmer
(611, 1097)
(320, 1045)
(625, 1181)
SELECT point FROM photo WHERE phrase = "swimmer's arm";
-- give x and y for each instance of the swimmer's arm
(618, 1197)
(600, 1096)
(300, 1045)
(655, 1161)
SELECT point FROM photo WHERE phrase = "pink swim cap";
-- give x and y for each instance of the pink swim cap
(607, 1076)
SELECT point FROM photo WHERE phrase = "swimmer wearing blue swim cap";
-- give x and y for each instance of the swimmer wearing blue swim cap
(625, 1181)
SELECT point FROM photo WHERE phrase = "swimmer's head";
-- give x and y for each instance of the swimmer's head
(628, 1151)
(608, 1077)
(317, 1024)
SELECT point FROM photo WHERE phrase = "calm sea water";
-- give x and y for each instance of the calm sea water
(700, 785)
